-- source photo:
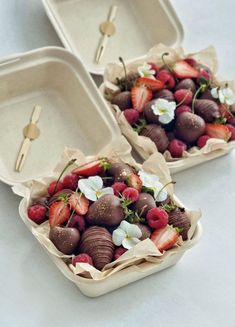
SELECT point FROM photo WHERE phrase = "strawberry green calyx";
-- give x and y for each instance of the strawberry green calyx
(141, 124)
(169, 207)
(105, 164)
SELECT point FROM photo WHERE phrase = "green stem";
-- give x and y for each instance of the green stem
(165, 63)
(171, 182)
(125, 72)
(71, 162)
(182, 101)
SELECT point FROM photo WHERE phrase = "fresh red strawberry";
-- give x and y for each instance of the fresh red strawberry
(150, 83)
(119, 187)
(37, 213)
(82, 257)
(70, 182)
(182, 109)
(132, 115)
(183, 70)
(79, 203)
(201, 142)
(157, 218)
(53, 188)
(134, 181)
(92, 168)
(176, 148)
(154, 67)
(118, 252)
(192, 62)
(218, 131)
(165, 238)
(232, 130)
(140, 95)
(183, 96)
(166, 77)
(59, 213)
(131, 193)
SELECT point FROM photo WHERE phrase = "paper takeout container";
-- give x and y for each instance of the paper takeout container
(139, 26)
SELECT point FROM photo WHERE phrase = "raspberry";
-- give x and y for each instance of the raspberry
(82, 257)
(183, 96)
(204, 75)
(119, 187)
(157, 218)
(77, 222)
(37, 213)
(51, 188)
(70, 182)
(201, 142)
(182, 109)
(176, 148)
(131, 193)
(153, 66)
(232, 130)
(166, 77)
(118, 252)
(131, 115)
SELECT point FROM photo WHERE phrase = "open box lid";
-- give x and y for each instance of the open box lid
(139, 26)
(74, 113)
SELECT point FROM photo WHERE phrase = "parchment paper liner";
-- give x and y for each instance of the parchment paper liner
(143, 145)
(143, 253)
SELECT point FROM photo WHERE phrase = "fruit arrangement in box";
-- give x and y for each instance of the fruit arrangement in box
(104, 208)
(172, 103)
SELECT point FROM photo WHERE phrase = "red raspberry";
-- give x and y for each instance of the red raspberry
(166, 77)
(182, 109)
(154, 66)
(131, 193)
(78, 222)
(131, 115)
(157, 218)
(70, 181)
(192, 62)
(176, 148)
(232, 130)
(119, 187)
(118, 252)
(51, 188)
(37, 213)
(82, 257)
(204, 74)
(183, 96)
(201, 142)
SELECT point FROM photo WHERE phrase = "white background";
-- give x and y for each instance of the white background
(200, 289)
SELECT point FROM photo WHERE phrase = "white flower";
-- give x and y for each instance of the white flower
(146, 71)
(126, 235)
(225, 95)
(92, 188)
(152, 181)
(164, 109)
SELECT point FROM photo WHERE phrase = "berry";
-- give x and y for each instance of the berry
(201, 142)
(166, 77)
(140, 95)
(82, 257)
(153, 67)
(182, 109)
(37, 213)
(157, 218)
(118, 252)
(92, 168)
(183, 70)
(203, 77)
(218, 131)
(77, 222)
(134, 181)
(119, 187)
(70, 182)
(59, 213)
(131, 115)
(232, 131)
(52, 188)
(150, 83)
(131, 193)
(183, 96)
(123, 100)
(165, 238)
(79, 203)
(176, 148)
(192, 62)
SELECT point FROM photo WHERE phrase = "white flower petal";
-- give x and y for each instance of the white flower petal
(166, 119)
(83, 185)
(227, 92)
(118, 236)
(129, 243)
(160, 193)
(214, 92)
(95, 182)
(221, 96)
(231, 100)
(104, 191)
(148, 179)
(131, 230)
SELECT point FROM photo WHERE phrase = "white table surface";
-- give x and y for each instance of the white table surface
(200, 289)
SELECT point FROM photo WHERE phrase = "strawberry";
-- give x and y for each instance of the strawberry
(232, 130)
(166, 77)
(140, 95)
(96, 167)
(218, 131)
(183, 70)
(165, 238)
(79, 203)
(150, 83)
(153, 66)
(59, 213)
(192, 62)
(134, 181)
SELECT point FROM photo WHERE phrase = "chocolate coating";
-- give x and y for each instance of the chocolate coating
(120, 171)
(189, 127)
(207, 109)
(123, 100)
(146, 231)
(65, 239)
(186, 84)
(207, 95)
(106, 211)
(158, 135)
(164, 94)
(149, 114)
(179, 219)
(144, 204)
